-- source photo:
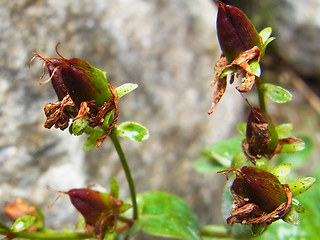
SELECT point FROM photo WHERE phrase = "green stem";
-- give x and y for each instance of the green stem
(262, 101)
(214, 231)
(126, 169)
(47, 235)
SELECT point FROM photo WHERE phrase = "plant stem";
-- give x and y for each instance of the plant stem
(47, 235)
(126, 169)
(262, 101)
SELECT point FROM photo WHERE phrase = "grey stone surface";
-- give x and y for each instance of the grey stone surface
(168, 47)
(298, 25)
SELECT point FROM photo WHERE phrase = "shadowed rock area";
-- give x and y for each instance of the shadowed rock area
(167, 47)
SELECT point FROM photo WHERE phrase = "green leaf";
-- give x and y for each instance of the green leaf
(298, 158)
(276, 93)
(166, 215)
(292, 147)
(78, 126)
(23, 223)
(133, 131)
(292, 217)
(255, 68)
(114, 187)
(298, 206)
(242, 128)
(264, 46)
(223, 152)
(205, 165)
(282, 171)
(94, 134)
(300, 186)
(238, 160)
(284, 130)
(265, 34)
(109, 235)
(228, 71)
(125, 89)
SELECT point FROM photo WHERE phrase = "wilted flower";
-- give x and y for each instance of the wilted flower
(260, 198)
(83, 92)
(240, 44)
(100, 210)
(261, 137)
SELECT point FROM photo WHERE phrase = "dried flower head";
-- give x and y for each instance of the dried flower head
(259, 197)
(240, 44)
(83, 92)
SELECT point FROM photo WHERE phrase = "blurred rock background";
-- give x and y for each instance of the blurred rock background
(167, 47)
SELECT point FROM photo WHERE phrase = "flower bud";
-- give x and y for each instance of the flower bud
(88, 202)
(79, 79)
(236, 33)
(56, 80)
(260, 187)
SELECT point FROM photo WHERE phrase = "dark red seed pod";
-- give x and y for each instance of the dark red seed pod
(236, 33)
(89, 203)
(260, 187)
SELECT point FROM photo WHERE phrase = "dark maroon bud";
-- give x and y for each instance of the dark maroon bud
(90, 203)
(236, 33)
(78, 78)
(260, 187)
(57, 82)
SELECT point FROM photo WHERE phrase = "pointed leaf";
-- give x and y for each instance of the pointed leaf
(255, 68)
(78, 126)
(298, 206)
(223, 152)
(166, 215)
(94, 134)
(265, 44)
(23, 223)
(282, 171)
(301, 185)
(276, 93)
(228, 71)
(265, 34)
(125, 89)
(284, 130)
(292, 147)
(292, 217)
(242, 127)
(114, 187)
(206, 166)
(133, 131)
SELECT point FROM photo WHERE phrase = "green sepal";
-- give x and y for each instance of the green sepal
(276, 93)
(125, 89)
(301, 185)
(23, 223)
(266, 39)
(292, 217)
(114, 187)
(242, 128)
(292, 147)
(284, 129)
(282, 171)
(93, 135)
(78, 126)
(255, 68)
(133, 131)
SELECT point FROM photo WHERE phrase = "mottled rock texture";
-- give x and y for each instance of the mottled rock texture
(168, 47)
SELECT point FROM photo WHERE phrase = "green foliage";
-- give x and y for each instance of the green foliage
(23, 223)
(276, 93)
(133, 131)
(218, 156)
(166, 215)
